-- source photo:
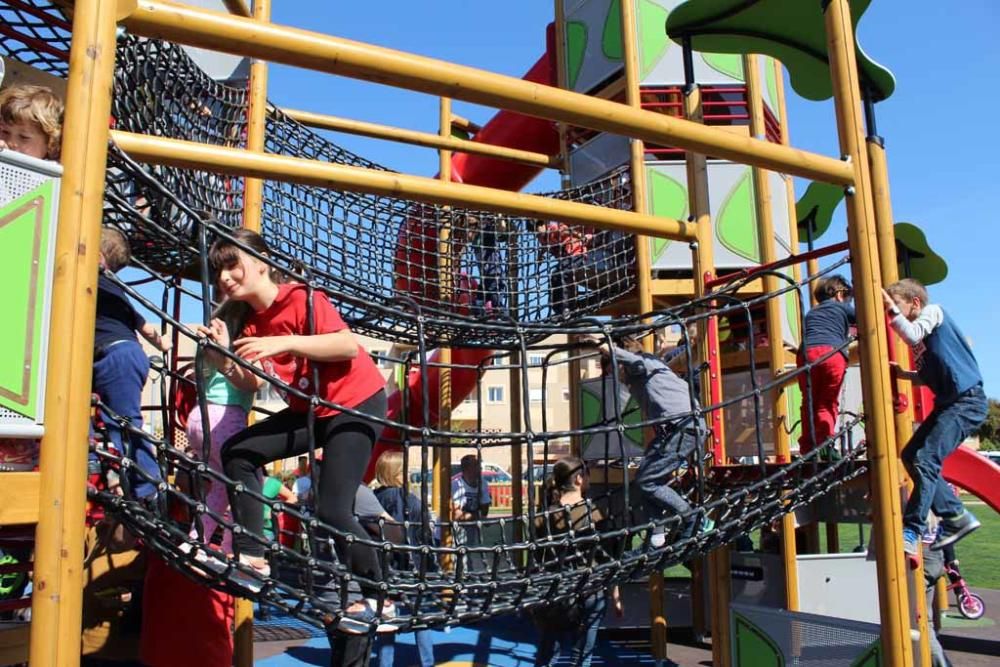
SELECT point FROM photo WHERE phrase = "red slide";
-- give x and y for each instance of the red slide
(416, 257)
(975, 473)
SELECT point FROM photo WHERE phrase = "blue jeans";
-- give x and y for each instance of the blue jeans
(941, 434)
(120, 372)
(583, 635)
(671, 448)
(385, 648)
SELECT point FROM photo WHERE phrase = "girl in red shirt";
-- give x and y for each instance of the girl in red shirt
(279, 338)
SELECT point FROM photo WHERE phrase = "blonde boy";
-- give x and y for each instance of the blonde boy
(31, 121)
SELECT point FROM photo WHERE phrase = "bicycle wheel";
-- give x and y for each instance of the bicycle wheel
(971, 606)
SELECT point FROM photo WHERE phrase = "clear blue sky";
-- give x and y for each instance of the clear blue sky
(941, 138)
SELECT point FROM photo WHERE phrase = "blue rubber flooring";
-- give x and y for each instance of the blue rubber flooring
(503, 642)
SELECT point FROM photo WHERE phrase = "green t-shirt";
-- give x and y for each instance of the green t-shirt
(219, 391)
(270, 490)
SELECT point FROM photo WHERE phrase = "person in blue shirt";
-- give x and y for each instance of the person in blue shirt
(944, 362)
(121, 365)
(827, 329)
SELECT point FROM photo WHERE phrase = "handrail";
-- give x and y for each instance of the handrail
(239, 162)
(416, 138)
(292, 46)
(779, 264)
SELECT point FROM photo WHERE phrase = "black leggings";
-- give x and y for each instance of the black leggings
(347, 443)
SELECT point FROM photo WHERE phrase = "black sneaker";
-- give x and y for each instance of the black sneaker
(952, 530)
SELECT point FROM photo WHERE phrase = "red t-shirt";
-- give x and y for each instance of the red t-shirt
(348, 383)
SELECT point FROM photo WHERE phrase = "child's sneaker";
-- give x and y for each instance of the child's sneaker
(952, 530)
(911, 542)
(360, 622)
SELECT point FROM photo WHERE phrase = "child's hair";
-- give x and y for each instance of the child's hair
(234, 314)
(224, 253)
(114, 247)
(908, 288)
(829, 287)
(389, 468)
(560, 480)
(34, 104)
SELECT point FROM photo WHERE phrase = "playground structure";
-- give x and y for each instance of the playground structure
(430, 298)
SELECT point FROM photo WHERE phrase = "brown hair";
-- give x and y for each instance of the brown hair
(560, 480)
(34, 104)
(908, 288)
(114, 247)
(389, 468)
(828, 288)
(225, 252)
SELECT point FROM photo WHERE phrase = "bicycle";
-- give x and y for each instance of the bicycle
(970, 605)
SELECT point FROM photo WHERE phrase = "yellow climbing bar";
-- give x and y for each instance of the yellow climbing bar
(239, 162)
(302, 48)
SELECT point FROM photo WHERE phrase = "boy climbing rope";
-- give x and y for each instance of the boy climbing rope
(667, 400)
(945, 363)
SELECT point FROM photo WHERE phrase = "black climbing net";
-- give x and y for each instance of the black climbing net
(522, 292)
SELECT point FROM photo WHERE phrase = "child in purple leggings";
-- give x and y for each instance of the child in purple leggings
(228, 406)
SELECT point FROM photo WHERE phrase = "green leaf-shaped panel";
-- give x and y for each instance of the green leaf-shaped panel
(611, 39)
(667, 199)
(815, 209)
(736, 226)
(752, 647)
(653, 41)
(790, 30)
(729, 64)
(576, 48)
(915, 257)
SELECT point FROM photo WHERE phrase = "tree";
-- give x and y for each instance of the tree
(989, 432)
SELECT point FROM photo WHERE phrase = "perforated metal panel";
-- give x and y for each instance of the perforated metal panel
(764, 636)
(29, 193)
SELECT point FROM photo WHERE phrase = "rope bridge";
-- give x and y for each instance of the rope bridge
(505, 285)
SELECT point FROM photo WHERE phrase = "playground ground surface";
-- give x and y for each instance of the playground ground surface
(510, 642)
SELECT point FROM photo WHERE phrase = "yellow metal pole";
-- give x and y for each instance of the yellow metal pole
(253, 210)
(291, 46)
(643, 274)
(879, 432)
(253, 188)
(776, 348)
(59, 536)
(237, 162)
(717, 563)
(447, 142)
(902, 421)
(442, 455)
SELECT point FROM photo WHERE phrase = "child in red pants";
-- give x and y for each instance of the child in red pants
(827, 328)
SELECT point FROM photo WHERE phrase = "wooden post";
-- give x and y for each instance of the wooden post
(58, 568)
(879, 427)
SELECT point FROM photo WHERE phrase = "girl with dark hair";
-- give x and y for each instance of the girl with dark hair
(566, 510)
(289, 343)
(827, 327)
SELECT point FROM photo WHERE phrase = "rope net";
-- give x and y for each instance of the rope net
(516, 290)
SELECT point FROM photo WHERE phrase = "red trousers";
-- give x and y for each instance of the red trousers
(825, 379)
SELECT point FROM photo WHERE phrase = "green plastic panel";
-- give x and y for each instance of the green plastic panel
(737, 223)
(872, 657)
(25, 240)
(915, 257)
(668, 199)
(814, 211)
(752, 647)
(790, 30)
(653, 41)
(592, 412)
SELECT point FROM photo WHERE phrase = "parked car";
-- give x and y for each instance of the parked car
(539, 472)
(992, 456)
